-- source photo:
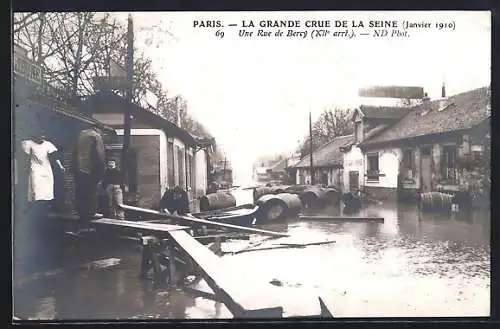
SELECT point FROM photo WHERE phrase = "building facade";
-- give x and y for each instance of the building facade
(162, 155)
(368, 122)
(327, 164)
(434, 147)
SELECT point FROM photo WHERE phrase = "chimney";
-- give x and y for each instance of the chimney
(443, 103)
(426, 104)
(179, 115)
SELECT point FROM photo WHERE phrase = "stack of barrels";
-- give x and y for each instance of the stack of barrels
(278, 202)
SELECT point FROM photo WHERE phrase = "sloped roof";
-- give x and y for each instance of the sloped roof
(383, 112)
(465, 110)
(47, 99)
(328, 155)
(261, 170)
(279, 165)
(104, 97)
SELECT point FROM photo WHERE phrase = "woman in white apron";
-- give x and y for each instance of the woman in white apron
(31, 244)
(41, 177)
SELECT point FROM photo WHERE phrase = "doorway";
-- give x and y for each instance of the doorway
(353, 181)
(324, 178)
(425, 169)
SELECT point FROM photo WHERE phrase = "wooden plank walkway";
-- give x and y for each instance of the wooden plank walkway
(153, 227)
(202, 221)
(243, 293)
(342, 218)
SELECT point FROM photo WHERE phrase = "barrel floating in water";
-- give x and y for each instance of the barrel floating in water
(218, 200)
(317, 196)
(296, 189)
(274, 207)
(435, 201)
(260, 191)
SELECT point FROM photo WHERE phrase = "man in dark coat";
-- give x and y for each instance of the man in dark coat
(175, 201)
(89, 166)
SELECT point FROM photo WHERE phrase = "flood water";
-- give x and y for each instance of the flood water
(411, 265)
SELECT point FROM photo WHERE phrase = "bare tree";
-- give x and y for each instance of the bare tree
(74, 48)
(331, 124)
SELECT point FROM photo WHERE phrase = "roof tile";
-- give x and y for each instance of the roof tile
(466, 110)
(329, 154)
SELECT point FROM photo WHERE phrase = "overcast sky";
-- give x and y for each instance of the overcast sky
(254, 94)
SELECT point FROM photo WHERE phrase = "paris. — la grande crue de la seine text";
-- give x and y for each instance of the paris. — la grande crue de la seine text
(322, 28)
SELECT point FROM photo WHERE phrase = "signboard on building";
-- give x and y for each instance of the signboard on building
(115, 80)
(25, 67)
(405, 92)
(112, 83)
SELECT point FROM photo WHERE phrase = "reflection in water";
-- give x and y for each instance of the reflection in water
(413, 264)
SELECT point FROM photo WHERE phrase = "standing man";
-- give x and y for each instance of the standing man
(114, 184)
(89, 167)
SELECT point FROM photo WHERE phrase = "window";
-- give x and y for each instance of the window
(477, 153)
(182, 173)
(189, 170)
(425, 151)
(448, 163)
(408, 163)
(373, 170)
(170, 164)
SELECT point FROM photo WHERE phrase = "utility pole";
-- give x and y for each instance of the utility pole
(224, 171)
(311, 167)
(128, 96)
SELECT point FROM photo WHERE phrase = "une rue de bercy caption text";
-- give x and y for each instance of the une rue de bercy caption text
(316, 29)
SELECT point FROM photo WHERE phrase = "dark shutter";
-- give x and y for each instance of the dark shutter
(65, 197)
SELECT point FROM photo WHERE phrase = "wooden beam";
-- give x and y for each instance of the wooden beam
(203, 294)
(151, 227)
(203, 221)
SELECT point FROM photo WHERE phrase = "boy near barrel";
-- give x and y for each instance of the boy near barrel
(114, 185)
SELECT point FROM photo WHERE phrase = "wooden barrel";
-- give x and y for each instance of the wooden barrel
(278, 189)
(260, 191)
(218, 200)
(274, 207)
(296, 189)
(316, 196)
(435, 201)
(332, 196)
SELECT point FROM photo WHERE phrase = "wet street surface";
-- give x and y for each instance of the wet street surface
(411, 265)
